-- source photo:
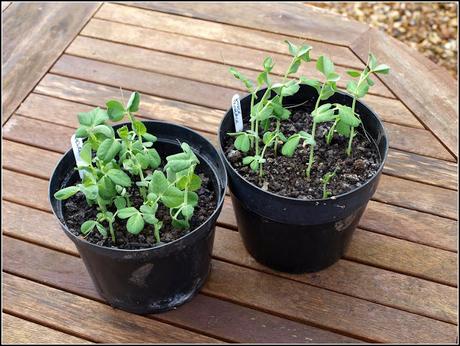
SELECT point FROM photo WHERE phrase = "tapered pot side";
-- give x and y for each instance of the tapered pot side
(160, 278)
(296, 235)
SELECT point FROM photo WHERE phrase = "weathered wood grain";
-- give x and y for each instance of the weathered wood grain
(410, 194)
(316, 309)
(20, 331)
(314, 305)
(367, 247)
(291, 19)
(87, 318)
(201, 45)
(218, 32)
(402, 164)
(204, 314)
(382, 286)
(423, 169)
(151, 83)
(33, 161)
(144, 81)
(410, 225)
(426, 88)
(190, 68)
(24, 61)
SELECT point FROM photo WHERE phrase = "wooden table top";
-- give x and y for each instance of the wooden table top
(398, 279)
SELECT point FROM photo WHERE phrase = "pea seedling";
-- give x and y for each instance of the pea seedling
(112, 163)
(325, 180)
(343, 119)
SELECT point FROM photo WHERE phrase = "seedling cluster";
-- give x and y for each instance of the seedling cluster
(113, 166)
(268, 112)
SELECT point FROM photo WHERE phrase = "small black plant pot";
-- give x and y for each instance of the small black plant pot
(295, 235)
(159, 278)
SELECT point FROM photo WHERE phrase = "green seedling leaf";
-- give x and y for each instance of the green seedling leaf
(294, 66)
(290, 146)
(135, 224)
(123, 132)
(382, 68)
(119, 177)
(149, 137)
(172, 197)
(325, 65)
(290, 88)
(292, 48)
(311, 82)
(242, 78)
(108, 149)
(133, 103)
(87, 226)
(333, 77)
(347, 117)
(247, 160)
(268, 64)
(115, 110)
(343, 129)
(353, 73)
(106, 131)
(66, 192)
(139, 127)
(328, 90)
(106, 188)
(120, 202)
(86, 153)
(125, 213)
(242, 142)
(153, 158)
(372, 61)
(90, 191)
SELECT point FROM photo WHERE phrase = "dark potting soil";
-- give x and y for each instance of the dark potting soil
(76, 211)
(286, 176)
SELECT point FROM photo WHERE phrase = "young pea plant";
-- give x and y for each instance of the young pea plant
(358, 89)
(110, 165)
(267, 109)
(325, 180)
(325, 89)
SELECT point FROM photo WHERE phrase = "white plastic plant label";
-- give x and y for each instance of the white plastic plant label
(237, 116)
(77, 145)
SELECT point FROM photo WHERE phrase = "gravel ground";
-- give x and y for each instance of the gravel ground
(431, 28)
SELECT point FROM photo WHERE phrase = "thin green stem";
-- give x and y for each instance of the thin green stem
(350, 141)
(313, 132)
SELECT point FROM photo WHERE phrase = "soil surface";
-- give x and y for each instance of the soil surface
(76, 211)
(286, 176)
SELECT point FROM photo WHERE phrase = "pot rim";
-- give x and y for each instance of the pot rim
(162, 246)
(292, 199)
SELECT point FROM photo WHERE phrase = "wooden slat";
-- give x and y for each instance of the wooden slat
(85, 317)
(421, 168)
(194, 69)
(207, 314)
(399, 222)
(58, 140)
(20, 331)
(366, 247)
(218, 32)
(426, 88)
(319, 306)
(311, 304)
(292, 19)
(410, 225)
(402, 164)
(202, 48)
(429, 199)
(33, 161)
(403, 256)
(388, 288)
(417, 141)
(160, 85)
(145, 82)
(24, 61)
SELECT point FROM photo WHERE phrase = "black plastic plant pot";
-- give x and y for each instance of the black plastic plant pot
(295, 235)
(159, 278)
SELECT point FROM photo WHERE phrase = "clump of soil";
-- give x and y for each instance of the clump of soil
(286, 176)
(76, 211)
